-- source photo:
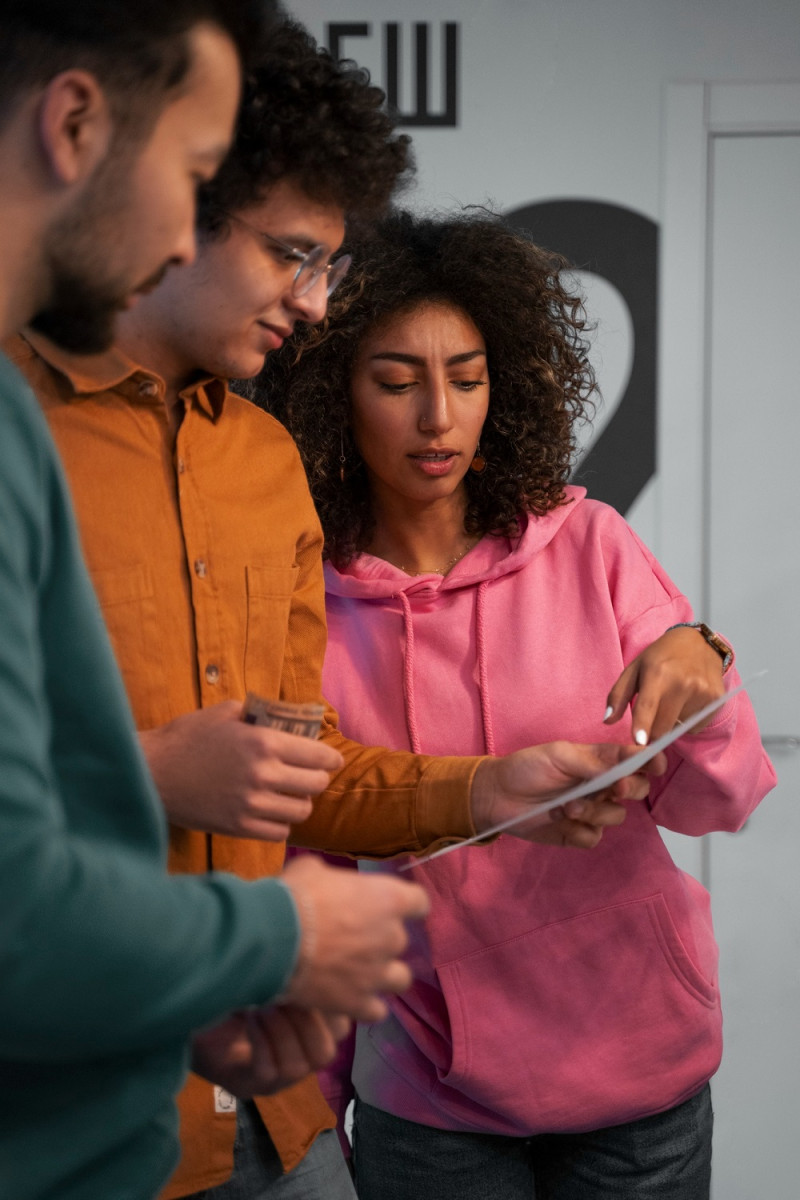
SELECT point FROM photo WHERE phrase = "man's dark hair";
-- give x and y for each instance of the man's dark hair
(137, 49)
(313, 121)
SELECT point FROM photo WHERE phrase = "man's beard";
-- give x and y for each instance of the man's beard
(79, 315)
(85, 292)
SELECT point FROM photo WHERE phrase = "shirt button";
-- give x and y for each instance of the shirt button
(200, 568)
(212, 673)
(148, 387)
(181, 466)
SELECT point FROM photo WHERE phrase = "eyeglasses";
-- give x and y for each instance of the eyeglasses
(314, 263)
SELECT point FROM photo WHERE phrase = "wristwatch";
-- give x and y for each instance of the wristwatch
(723, 649)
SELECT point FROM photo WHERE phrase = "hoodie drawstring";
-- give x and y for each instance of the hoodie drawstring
(483, 671)
(408, 677)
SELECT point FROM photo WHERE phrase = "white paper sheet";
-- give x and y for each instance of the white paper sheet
(628, 767)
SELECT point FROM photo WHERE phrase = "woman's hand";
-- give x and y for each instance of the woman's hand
(508, 788)
(672, 679)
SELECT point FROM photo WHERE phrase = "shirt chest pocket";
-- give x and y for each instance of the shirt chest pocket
(127, 598)
(269, 603)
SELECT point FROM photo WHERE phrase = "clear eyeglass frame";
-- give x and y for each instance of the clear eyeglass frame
(314, 263)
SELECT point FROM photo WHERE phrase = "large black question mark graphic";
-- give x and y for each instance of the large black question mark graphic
(621, 246)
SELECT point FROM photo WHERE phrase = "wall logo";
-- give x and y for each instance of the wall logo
(621, 246)
(431, 105)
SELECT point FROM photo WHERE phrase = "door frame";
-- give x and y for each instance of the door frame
(694, 115)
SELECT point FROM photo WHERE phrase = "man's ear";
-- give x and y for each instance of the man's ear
(75, 126)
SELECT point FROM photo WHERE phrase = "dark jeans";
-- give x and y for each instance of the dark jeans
(258, 1175)
(664, 1157)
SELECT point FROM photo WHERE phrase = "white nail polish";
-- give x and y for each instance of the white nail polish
(608, 712)
(641, 737)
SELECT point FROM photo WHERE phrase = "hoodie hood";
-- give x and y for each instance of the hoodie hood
(369, 578)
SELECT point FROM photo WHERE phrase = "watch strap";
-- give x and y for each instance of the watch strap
(715, 640)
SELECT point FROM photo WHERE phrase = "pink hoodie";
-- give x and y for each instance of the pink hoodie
(556, 989)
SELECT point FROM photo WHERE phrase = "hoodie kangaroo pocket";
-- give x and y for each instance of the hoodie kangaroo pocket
(585, 1022)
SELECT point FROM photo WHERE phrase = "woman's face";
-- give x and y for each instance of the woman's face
(419, 394)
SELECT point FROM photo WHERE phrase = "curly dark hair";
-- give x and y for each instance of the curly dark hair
(540, 377)
(312, 120)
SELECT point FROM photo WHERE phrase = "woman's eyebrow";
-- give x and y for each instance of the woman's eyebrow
(467, 356)
(417, 361)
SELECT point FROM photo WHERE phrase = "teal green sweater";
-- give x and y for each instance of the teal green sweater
(106, 963)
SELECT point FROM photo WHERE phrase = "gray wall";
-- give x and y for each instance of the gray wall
(564, 100)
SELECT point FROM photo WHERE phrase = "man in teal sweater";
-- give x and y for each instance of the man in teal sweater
(110, 113)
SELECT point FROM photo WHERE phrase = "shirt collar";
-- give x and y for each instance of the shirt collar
(89, 374)
(209, 393)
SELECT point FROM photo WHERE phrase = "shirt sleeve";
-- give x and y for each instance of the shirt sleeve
(382, 802)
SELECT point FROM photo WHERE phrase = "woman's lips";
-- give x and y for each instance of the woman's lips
(434, 462)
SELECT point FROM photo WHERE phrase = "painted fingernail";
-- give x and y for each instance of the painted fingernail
(608, 712)
(641, 737)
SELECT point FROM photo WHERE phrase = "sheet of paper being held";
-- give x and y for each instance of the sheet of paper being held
(628, 767)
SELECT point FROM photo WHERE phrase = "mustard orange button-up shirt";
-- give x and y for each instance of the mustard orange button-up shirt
(205, 551)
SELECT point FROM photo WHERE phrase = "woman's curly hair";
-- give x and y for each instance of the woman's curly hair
(540, 377)
(314, 121)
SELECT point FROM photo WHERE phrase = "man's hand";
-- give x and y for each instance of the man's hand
(216, 773)
(507, 787)
(258, 1052)
(353, 933)
(672, 679)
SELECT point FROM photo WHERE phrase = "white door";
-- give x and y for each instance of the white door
(743, 545)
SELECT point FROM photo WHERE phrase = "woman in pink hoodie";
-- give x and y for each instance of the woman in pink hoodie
(565, 1019)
